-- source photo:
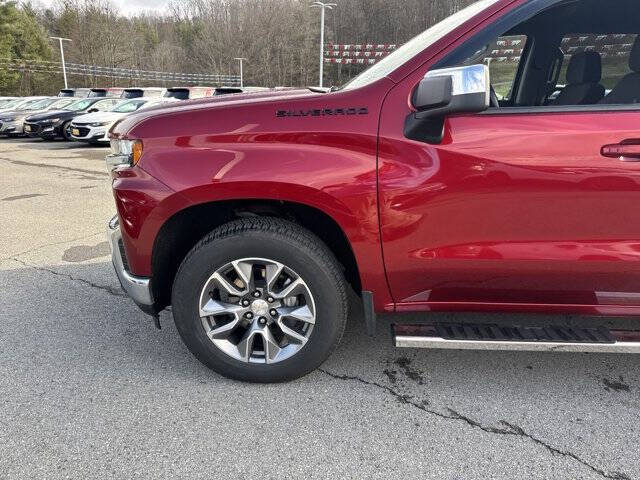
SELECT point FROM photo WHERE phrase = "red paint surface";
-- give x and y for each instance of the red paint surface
(508, 213)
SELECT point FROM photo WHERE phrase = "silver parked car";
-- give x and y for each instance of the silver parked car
(12, 122)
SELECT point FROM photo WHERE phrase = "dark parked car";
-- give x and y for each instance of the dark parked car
(55, 124)
(75, 92)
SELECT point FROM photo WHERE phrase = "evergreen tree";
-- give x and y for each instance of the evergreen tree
(21, 38)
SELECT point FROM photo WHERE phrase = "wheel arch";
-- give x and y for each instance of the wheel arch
(171, 245)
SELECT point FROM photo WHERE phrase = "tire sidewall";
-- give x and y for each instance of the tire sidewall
(199, 267)
(66, 135)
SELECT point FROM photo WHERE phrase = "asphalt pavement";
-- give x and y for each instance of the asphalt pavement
(89, 389)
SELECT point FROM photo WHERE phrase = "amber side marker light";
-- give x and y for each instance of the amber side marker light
(136, 152)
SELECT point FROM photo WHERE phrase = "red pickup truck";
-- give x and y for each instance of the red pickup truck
(489, 164)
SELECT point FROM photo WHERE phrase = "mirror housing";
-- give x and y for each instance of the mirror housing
(452, 90)
(93, 110)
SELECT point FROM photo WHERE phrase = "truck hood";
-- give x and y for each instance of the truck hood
(212, 103)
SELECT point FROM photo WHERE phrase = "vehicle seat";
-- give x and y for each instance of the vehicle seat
(583, 77)
(627, 91)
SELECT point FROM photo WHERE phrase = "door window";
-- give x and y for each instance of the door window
(614, 50)
(577, 53)
(503, 58)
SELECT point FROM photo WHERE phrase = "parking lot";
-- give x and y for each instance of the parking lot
(89, 389)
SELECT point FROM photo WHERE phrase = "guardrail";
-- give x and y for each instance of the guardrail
(45, 66)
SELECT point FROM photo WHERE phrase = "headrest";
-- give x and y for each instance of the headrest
(634, 58)
(585, 67)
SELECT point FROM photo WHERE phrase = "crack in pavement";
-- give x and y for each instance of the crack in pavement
(111, 291)
(40, 247)
(509, 428)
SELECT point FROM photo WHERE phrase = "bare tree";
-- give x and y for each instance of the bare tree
(278, 37)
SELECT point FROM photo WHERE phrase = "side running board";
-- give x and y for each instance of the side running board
(515, 338)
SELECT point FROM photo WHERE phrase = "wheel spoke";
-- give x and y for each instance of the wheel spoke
(292, 334)
(271, 347)
(214, 307)
(228, 287)
(273, 271)
(223, 331)
(246, 344)
(303, 313)
(291, 289)
(245, 272)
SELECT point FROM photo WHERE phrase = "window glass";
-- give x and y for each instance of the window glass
(179, 93)
(416, 45)
(12, 103)
(78, 105)
(614, 50)
(103, 105)
(129, 106)
(41, 104)
(59, 104)
(503, 58)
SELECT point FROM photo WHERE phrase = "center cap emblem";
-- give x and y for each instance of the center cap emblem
(260, 307)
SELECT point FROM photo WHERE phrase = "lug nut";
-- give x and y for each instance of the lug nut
(245, 303)
(248, 315)
(262, 321)
(273, 312)
(270, 299)
(256, 294)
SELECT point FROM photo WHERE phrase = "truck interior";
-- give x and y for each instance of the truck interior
(572, 53)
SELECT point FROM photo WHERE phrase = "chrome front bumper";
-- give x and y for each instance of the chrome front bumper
(138, 288)
(115, 160)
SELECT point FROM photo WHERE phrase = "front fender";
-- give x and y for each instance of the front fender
(333, 173)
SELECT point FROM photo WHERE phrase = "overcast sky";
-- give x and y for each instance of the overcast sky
(128, 7)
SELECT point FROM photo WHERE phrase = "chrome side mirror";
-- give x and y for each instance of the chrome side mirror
(453, 90)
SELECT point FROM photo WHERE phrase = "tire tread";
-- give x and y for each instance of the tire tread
(294, 234)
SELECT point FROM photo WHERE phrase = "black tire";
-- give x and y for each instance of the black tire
(66, 133)
(277, 240)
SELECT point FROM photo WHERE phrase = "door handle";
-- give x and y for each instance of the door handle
(626, 151)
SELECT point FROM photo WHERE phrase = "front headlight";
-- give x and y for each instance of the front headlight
(99, 124)
(129, 149)
(53, 120)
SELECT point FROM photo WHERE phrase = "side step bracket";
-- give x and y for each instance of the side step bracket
(515, 338)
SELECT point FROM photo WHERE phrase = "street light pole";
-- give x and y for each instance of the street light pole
(241, 60)
(323, 6)
(64, 68)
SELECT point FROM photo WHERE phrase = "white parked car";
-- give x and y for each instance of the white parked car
(137, 92)
(94, 127)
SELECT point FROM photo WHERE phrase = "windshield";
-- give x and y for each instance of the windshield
(26, 104)
(79, 105)
(413, 47)
(13, 103)
(129, 106)
(60, 104)
(41, 105)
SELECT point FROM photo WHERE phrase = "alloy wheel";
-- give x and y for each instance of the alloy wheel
(257, 310)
